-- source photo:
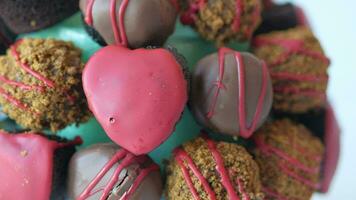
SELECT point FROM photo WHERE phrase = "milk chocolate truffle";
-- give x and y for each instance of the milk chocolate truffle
(222, 21)
(34, 166)
(231, 92)
(131, 23)
(24, 16)
(205, 169)
(40, 84)
(6, 37)
(281, 17)
(106, 171)
(298, 68)
(289, 158)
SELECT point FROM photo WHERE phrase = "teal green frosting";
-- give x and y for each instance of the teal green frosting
(185, 40)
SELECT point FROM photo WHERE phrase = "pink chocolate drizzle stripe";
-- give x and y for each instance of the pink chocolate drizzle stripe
(225, 179)
(268, 150)
(125, 158)
(291, 46)
(299, 77)
(236, 25)
(20, 85)
(118, 29)
(27, 68)
(183, 158)
(88, 12)
(242, 190)
(298, 91)
(297, 177)
(17, 103)
(245, 130)
(270, 193)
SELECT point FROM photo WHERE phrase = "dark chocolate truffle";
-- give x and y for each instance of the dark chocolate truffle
(222, 21)
(24, 16)
(40, 84)
(34, 166)
(281, 17)
(289, 158)
(6, 37)
(205, 169)
(298, 68)
(133, 23)
(231, 92)
(106, 171)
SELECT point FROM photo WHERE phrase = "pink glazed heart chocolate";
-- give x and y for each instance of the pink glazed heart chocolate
(137, 96)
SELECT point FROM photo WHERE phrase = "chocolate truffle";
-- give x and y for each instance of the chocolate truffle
(231, 92)
(222, 21)
(323, 124)
(106, 171)
(281, 17)
(34, 166)
(146, 91)
(298, 68)
(24, 16)
(40, 84)
(289, 158)
(205, 169)
(6, 37)
(133, 23)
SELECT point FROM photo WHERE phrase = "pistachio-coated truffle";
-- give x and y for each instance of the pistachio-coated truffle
(289, 158)
(205, 169)
(222, 21)
(40, 84)
(298, 68)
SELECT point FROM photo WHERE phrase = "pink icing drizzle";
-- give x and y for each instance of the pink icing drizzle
(291, 47)
(126, 159)
(184, 159)
(181, 156)
(117, 28)
(245, 130)
(27, 165)
(270, 193)
(288, 160)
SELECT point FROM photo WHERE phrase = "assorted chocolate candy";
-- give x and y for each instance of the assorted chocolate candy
(231, 92)
(272, 102)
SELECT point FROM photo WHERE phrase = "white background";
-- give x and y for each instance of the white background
(334, 22)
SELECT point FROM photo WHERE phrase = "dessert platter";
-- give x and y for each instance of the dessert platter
(163, 99)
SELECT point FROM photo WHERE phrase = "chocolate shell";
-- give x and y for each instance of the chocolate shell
(34, 166)
(231, 92)
(134, 24)
(124, 176)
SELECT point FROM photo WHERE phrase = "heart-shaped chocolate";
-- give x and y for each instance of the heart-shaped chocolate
(136, 95)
